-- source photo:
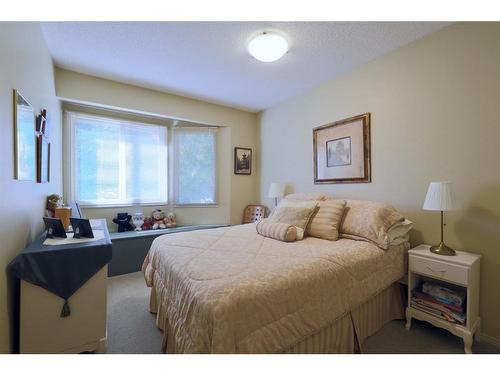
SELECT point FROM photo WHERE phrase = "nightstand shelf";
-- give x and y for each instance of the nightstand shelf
(460, 272)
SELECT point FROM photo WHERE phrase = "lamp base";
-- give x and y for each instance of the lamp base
(442, 249)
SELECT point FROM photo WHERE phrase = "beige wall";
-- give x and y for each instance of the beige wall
(26, 65)
(240, 129)
(434, 107)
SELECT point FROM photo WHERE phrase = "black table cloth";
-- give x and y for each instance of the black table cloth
(62, 269)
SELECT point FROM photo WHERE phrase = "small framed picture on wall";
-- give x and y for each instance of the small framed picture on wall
(41, 122)
(242, 160)
(43, 159)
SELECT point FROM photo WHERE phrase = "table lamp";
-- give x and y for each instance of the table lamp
(276, 190)
(440, 198)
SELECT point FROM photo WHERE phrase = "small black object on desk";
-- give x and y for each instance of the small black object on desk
(54, 227)
(62, 269)
(81, 228)
(123, 221)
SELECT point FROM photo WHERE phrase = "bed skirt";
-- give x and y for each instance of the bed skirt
(345, 335)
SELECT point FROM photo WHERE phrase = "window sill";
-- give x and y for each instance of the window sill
(125, 205)
(195, 205)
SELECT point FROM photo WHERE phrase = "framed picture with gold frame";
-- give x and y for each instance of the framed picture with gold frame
(342, 151)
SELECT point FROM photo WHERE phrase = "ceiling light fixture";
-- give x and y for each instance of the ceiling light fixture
(268, 46)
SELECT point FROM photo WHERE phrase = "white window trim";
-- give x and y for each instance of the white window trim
(174, 166)
(70, 164)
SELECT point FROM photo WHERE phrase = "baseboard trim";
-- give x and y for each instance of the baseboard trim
(490, 340)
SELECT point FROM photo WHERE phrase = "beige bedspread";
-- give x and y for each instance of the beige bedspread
(230, 290)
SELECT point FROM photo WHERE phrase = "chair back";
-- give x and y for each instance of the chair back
(253, 213)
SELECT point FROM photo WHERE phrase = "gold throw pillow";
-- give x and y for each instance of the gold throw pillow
(326, 220)
(369, 220)
(278, 231)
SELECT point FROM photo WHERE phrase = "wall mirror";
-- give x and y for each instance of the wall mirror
(25, 139)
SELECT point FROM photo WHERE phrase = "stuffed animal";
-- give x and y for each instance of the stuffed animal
(148, 223)
(53, 201)
(170, 220)
(138, 220)
(123, 221)
(159, 219)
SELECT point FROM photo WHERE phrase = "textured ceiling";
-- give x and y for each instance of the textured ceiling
(209, 60)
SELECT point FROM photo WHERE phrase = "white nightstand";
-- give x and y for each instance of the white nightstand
(459, 270)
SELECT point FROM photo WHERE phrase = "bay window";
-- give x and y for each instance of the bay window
(115, 162)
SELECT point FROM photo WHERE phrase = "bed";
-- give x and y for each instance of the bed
(231, 290)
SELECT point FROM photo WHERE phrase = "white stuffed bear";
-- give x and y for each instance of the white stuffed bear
(138, 220)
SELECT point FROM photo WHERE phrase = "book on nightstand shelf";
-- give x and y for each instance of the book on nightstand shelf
(439, 301)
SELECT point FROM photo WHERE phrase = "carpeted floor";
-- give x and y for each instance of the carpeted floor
(132, 329)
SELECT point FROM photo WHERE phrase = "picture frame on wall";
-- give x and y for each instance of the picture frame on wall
(41, 122)
(43, 159)
(242, 161)
(342, 151)
(24, 139)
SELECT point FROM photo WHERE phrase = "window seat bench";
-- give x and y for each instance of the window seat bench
(130, 248)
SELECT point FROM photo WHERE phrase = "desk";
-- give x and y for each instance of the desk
(75, 273)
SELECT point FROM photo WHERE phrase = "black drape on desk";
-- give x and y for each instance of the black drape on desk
(62, 269)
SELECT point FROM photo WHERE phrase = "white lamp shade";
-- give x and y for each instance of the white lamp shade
(439, 197)
(276, 190)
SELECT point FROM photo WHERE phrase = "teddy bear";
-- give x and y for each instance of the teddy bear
(138, 221)
(53, 201)
(170, 220)
(148, 223)
(159, 219)
(123, 221)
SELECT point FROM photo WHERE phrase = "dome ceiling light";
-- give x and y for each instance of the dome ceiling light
(268, 46)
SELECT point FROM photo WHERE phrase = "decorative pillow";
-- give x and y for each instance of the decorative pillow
(369, 220)
(306, 197)
(400, 232)
(400, 240)
(325, 221)
(278, 231)
(393, 242)
(296, 213)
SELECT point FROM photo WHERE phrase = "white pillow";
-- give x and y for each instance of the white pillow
(400, 232)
